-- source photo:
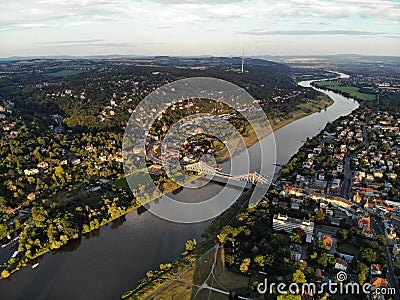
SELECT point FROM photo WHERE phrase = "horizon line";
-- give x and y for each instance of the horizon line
(21, 57)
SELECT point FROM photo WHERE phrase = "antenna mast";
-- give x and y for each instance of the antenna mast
(243, 62)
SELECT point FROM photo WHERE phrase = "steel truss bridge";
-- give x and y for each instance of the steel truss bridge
(203, 168)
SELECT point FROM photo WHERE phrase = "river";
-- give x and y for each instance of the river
(112, 259)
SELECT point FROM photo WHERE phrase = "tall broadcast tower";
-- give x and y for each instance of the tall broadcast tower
(243, 62)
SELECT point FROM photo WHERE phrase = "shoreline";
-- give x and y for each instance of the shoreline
(250, 140)
(323, 103)
(342, 93)
(151, 286)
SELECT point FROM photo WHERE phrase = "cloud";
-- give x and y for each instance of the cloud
(311, 32)
(195, 11)
(77, 42)
(13, 14)
(84, 43)
(111, 45)
(24, 26)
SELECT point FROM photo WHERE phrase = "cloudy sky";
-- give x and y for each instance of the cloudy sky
(199, 27)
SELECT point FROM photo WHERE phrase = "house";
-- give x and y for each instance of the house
(118, 159)
(367, 231)
(303, 263)
(283, 204)
(328, 241)
(295, 253)
(376, 270)
(335, 221)
(30, 172)
(329, 212)
(357, 197)
(281, 222)
(31, 196)
(335, 183)
(396, 250)
(364, 222)
(43, 165)
(319, 275)
(89, 148)
(75, 161)
(340, 264)
(379, 282)
(347, 257)
(294, 206)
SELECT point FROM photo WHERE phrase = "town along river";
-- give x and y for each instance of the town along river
(115, 257)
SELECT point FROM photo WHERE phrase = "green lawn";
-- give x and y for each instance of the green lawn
(348, 249)
(64, 73)
(353, 91)
(137, 178)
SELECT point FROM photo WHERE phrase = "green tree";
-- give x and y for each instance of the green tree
(320, 215)
(342, 234)
(39, 216)
(190, 245)
(369, 255)
(314, 255)
(362, 273)
(244, 266)
(299, 277)
(5, 274)
(229, 259)
(295, 238)
(381, 239)
(321, 244)
(323, 260)
(3, 204)
(393, 192)
(3, 230)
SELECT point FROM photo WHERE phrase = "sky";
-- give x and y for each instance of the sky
(202, 27)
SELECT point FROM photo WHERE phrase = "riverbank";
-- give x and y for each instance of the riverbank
(151, 286)
(157, 281)
(147, 289)
(166, 187)
(346, 91)
(303, 110)
(97, 267)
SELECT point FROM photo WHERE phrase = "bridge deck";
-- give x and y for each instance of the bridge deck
(232, 182)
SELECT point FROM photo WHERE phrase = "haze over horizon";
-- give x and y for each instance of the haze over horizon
(205, 27)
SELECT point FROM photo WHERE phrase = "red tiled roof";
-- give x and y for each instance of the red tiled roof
(341, 261)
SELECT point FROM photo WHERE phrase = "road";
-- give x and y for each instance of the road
(365, 135)
(390, 274)
(345, 190)
(391, 277)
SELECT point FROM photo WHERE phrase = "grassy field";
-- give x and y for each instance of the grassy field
(348, 249)
(137, 178)
(303, 110)
(64, 73)
(354, 92)
(186, 285)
